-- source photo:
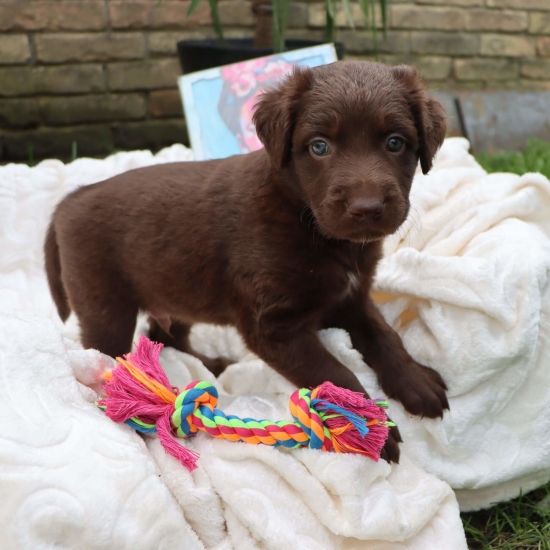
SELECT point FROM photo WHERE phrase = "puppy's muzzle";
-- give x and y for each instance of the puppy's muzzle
(366, 210)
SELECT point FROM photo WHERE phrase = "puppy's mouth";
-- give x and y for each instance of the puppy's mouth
(367, 238)
(344, 231)
(374, 232)
(340, 227)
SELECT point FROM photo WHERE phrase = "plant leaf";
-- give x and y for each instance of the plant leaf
(329, 30)
(331, 9)
(349, 15)
(384, 10)
(277, 35)
(369, 16)
(280, 24)
(216, 18)
(192, 7)
(364, 4)
(374, 29)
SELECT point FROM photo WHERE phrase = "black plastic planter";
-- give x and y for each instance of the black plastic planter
(198, 55)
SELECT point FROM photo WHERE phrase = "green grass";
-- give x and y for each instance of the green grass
(535, 158)
(523, 523)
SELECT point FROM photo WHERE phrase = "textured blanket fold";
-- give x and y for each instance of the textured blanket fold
(465, 282)
(468, 290)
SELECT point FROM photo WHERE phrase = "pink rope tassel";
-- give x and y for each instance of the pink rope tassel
(186, 456)
(146, 357)
(128, 398)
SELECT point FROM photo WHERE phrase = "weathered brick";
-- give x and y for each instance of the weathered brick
(56, 142)
(433, 67)
(61, 48)
(543, 46)
(69, 79)
(162, 73)
(465, 3)
(60, 111)
(19, 113)
(501, 85)
(14, 48)
(510, 46)
(519, 4)
(536, 68)
(164, 42)
(21, 81)
(167, 15)
(494, 20)
(414, 17)
(386, 58)
(16, 81)
(309, 1)
(486, 69)
(535, 85)
(317, 16)
(441, 43)
(363, 42)
(33, 15)
(539, 22)
(236, 12)
(150, 134)
(309, 34)
(165, 103)
(455, 86)
(297, 15)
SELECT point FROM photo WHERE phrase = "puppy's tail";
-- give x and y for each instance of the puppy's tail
(53, 272)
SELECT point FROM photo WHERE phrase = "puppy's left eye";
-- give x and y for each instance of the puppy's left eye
(395, 144)
(319, 148)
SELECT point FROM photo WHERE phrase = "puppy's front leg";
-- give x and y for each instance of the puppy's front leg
(301, 358)
(420, 389)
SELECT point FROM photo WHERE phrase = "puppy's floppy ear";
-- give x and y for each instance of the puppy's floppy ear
(428, 113)
(275, 114)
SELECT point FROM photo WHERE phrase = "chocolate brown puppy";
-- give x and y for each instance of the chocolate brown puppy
(279, 243)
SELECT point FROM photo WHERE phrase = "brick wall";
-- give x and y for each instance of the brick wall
(102, 73)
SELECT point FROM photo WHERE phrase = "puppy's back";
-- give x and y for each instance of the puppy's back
(158, 235)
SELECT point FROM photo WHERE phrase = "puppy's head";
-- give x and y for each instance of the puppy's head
(349, 135)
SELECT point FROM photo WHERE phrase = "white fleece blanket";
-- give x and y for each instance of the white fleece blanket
(465, 283)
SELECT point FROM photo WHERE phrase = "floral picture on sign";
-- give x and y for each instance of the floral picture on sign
(219, 103)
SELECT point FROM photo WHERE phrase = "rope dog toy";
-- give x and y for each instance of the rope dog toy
(137, 391)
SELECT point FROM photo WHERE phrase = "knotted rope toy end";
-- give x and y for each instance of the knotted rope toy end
(137, 391)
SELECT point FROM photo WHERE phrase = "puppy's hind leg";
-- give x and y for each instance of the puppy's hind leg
(109, 326)
(178, 338)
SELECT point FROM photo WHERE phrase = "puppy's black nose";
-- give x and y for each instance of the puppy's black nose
(366, 210)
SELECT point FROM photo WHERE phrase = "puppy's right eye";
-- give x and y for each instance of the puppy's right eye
(395, 144)
(319, 148)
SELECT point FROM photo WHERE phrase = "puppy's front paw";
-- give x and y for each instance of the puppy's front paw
(390, 452)
(421, 390)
